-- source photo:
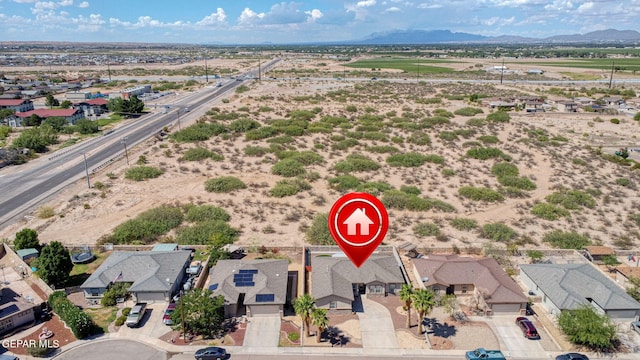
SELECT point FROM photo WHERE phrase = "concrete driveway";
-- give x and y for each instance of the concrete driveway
(376, 326)
(151, 324)
(262, 331)
(515, 344)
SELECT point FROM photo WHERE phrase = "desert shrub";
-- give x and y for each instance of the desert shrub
(397, 199)
(571, 199)
(517, 182)
(140, 173)
(499, 116)
(489, 139)
(374, 187)
(344, 182)
(623, 182)
(476, 122)
(288, 168)
(344, 144)
(426, 229)
(463, 224)
(289, 187)
(448, 172)
(282, 140)
(549, 211)
(480, 194)
(205, 213)
(407, 159)
(243, 125)
(115, 291)
(579, 161)
(200, 153)
(198, 132)
(201, 233)
(318, 233)
(293, 336)
(260, 133)
(566, 240)
(224, 184)
(468, 111)
(635, 218)
(304, 157)
(411, 190)
(45, 212)
(80, 323)
(504, 169)
(498, 232)
(38, 350)
(615, 121)
(356, 163)
(381, 149)
(256, 151)
(419, 138)
(148, 226)
(448, 135)
(484, 153)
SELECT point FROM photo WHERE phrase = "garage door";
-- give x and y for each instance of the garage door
(505, 308)
(264, 310)
(150, 296)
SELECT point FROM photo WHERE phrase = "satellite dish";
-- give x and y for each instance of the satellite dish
(425, 279)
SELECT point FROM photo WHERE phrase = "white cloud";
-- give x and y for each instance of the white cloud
(314, 15)
(25, 1)
(83, 5)
(392, 9)
(249, 17)
(429, 6)
(366, 3)
(66, 3)
(586, 7)
(217, 18)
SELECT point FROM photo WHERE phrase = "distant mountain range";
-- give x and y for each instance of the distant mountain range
(407, 37)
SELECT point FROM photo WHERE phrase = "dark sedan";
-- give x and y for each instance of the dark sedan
(572, 356)
(211, 353)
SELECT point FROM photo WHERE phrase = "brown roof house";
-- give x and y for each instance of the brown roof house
(337, 284)
(597, 253)
(624, 273)
(482, 280)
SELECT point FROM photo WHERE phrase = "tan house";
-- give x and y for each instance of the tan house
(623, 273)
(597, 253)
(480, 278)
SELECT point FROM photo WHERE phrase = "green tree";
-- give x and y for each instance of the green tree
(449, 304)
(54, 264)
(86, 126)
(66, 104)
(26, 239)
(33, 120)
(202, 313)
(56, 122)
(36, 139)
(216, 249)
(115, 291)
(634, 290)
(133, 105)
(116, 105)
(51, 101)
(423, 302)
(303, 306)
(319, 318)
(584, 326)
(406, 295)
(318, 233)
(5, 113)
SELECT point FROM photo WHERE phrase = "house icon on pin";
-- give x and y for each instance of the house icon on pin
(358, 217)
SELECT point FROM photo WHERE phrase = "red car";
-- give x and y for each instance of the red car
(528, 329)
(166, 318)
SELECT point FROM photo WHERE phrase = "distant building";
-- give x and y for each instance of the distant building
(17, 105)
(129, 92)
(78, 95)
(93, 107)
(71, 115)
(535, 72)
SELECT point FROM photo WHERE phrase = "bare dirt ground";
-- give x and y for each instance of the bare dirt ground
(83, 216)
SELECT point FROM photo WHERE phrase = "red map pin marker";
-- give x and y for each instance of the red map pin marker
(358, 223)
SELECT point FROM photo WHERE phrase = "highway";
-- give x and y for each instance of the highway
(26, 186)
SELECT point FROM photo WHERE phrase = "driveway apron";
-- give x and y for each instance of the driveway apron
(376, 326)
(262, 331)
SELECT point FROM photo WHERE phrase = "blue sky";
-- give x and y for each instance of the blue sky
(260, 21)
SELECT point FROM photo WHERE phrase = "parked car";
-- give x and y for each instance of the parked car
(166, 318)
(528, 329)
(136, 315)
(572, 356)
(211, 353)
(635, 326)
(194, 268)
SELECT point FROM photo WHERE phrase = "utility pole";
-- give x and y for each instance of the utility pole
(259, 68)
(184, 331)
(109, 69)
(206, 69)
(179, 128)
(123, 141)
(613, 66)
(86, 170)
(502, 71)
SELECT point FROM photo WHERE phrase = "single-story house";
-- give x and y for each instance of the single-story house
(567, 106)
(482, 278)
(251, 287)
(597, 253)
(26, 254)
(336, 282)
(624, 273)
(569, 286)
(154, 275)
(71, 115)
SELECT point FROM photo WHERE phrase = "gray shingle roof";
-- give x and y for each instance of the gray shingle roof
(484, 273)
(271, 278)
(147, 270)
(569, 285)
(335, 275)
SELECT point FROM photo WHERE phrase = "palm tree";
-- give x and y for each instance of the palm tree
(423, 302)
(303, 306)
(406, 295)
(319, 318)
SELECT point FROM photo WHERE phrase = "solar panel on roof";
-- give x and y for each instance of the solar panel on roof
(265, 297)
(248, 271)
(213, 287)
